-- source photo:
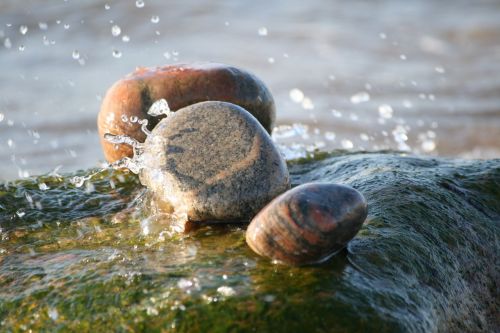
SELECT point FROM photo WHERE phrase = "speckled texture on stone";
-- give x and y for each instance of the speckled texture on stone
(181, 85)
(307, 224)
(214, 161)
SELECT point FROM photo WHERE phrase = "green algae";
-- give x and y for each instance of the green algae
(78, 259)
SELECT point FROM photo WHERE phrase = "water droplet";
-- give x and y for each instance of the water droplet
(23, 29)
(75, 54)
(7, 43)
(382, 35)
(330, 136)
(364, 137)
(66, 26)
(43, 25)
(385, 111)
(133, 119)
(124, 118)
(307, 104)
(125, 38)
(360, 97)
(336, 113)
(155, 19)
(2, 117)
(296, 95)
(160, 107)
(269, 298)
(226, 291)
(270, 60)
(43, 186)
(20, 212)
(107, 7)
(52, 313)
(428, 145)
(347, 144)
(407, 104)
(117, 54)
(21, 48)
(262, 31)
(402, 57)
(440, 70)
(139, 3)
(116, 30)
(400, 136)
(184, 283)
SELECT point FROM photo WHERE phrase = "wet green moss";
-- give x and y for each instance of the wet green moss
(77, 259)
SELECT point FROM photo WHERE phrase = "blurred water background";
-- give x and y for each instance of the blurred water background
(422, 76)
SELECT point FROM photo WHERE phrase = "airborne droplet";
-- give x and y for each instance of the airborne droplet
(116, 30)
(23, 29)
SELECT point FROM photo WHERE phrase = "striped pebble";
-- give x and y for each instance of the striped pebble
(307, 224)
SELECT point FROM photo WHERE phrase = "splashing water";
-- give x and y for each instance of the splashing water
(137, 163)
(117, 139)
(360, 97)
(159, 108)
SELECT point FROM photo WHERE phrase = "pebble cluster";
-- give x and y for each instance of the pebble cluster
(213, 159)
(181, 85)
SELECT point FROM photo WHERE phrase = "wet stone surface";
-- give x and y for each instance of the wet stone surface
(181, 85)
(308, 224)
(214, 162)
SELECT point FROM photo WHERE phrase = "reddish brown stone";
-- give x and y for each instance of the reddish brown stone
(181, 85)
(307, 224)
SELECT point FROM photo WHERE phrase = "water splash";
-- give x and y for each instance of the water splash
(262, 31)
(118, 139)
(160, 108)
(360, 97)
(137, 162)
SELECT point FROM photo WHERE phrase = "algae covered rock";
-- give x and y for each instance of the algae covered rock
(307, 224)
(181, 85)
(214, 162)
(425, 260)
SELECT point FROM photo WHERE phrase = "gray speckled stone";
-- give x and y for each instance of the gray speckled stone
(214, 166)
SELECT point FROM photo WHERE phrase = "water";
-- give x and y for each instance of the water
(106, 259)
(330, 51)
(83, 249)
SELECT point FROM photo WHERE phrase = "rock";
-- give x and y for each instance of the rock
(213, 161)
(181, 85)
(307, 224)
